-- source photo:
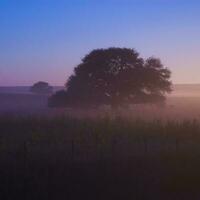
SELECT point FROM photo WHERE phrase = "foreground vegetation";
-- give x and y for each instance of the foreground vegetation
(65, 158)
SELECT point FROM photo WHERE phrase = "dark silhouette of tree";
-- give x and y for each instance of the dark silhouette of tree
(41, 88)
(116, 77)
(59, 99)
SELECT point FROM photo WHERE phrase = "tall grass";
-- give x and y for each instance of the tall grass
(67, 158)
(103, 133)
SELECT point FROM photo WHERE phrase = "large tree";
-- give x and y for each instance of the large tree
(116, 77)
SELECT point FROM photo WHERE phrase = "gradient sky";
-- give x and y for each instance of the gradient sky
(46, 39)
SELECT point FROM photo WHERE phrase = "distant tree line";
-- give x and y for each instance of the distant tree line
(41, 88)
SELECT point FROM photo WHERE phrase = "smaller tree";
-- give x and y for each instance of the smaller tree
(41, 88)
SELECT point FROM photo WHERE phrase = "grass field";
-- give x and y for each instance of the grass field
(66, 158)
(146, 152)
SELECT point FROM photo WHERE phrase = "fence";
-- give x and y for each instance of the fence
(75, 151)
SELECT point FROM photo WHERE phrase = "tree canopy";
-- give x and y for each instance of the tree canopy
(116, 77)
(41, 88)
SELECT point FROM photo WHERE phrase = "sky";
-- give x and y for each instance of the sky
(43, 40)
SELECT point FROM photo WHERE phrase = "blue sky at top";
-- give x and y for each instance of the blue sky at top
(45, 39)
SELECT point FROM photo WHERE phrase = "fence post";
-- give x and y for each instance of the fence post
(113, 149)
(25, 158)
(72, 151)
(177, 145)
(145, 147)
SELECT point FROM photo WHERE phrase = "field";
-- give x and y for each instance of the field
(105, 159)
(144, 153)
